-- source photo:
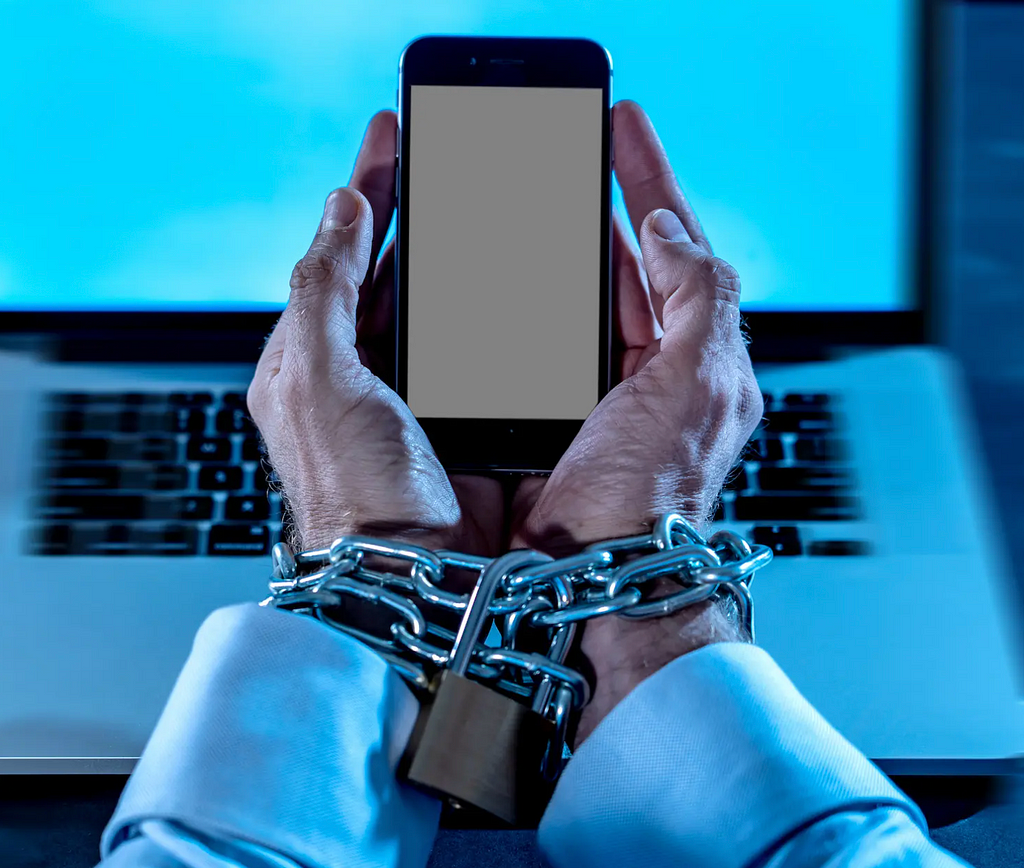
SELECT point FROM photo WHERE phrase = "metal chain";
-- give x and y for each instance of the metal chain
(546, 598)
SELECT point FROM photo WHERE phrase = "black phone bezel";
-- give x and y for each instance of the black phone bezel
(518, 445)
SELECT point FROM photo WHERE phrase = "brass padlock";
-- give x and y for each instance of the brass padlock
(473, 745)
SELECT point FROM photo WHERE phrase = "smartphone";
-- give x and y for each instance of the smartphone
(503, 264)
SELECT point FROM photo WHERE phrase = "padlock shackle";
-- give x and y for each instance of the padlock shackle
(478, 607)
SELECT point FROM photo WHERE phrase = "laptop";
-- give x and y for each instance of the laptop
(132, 498)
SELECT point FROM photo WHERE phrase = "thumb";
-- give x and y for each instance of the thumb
(325, 282)
(695, 295)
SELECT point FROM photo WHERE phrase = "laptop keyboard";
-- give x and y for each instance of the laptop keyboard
(795, 480)
(180, 473)
(175, 473)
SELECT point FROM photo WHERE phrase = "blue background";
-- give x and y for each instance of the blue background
(176, 153)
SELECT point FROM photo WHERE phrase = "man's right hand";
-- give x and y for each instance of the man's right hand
(666, 436)
(350, 455)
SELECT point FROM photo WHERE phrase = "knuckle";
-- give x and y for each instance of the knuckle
(313, 271)
(701, 278)
(717, 274)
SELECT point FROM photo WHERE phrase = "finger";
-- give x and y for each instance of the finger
(377, 317)
(635, 323)
(374, 177)
(700, 292)
(645, 174)
(325, 282)
(375, 331)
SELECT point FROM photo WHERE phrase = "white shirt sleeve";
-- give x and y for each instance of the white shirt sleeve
(277, 746)
(279, 743)
(883, 837)
(717, 761)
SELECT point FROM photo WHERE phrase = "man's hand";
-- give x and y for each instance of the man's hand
(666, 436)
(350, 455)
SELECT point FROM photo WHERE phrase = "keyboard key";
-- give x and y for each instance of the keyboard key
(184, 420)
(801, 421)
(101, 422)
(125, 507)
(251, 449)
(820, 449)
(154, 477)
(77, 449)
(131, 477)
(139, 399)
(802, 479)
(194, 508)
(220, 478)
(796, 507)
(781, 539)
(839, 548)
(805, 399)
(100, 400)
(260, 481)
(190, 399)
(169, 507)
(82, 476)
(234, 399)
(67, 421)
(170, 539)
(121, 539)
(234, 420)
(142, 420)
(78, 398)
(765, 450)
(100, 539)
(99, 507)
(209, 449)
(247, 508)
(156, 449)
(129, 422)
(238, 539)
(50, 539)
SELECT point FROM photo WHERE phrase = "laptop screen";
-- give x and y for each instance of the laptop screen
(175, 154)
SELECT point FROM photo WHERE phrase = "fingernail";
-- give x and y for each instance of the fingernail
(341, 210)
(667, 225)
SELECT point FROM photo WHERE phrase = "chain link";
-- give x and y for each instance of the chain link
(543, 597)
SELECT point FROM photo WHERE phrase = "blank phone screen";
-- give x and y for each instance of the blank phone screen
(504, 258)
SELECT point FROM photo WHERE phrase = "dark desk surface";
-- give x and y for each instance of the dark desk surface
(56, 824)
(982, 316)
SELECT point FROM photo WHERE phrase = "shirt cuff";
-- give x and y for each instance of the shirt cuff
(711, 761)
(285, 733)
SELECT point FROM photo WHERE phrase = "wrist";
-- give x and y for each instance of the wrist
(560, 540)
(318, 534)
(622, 652)
(564, 523)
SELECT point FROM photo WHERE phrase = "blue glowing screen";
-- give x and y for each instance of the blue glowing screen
(175, 154)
